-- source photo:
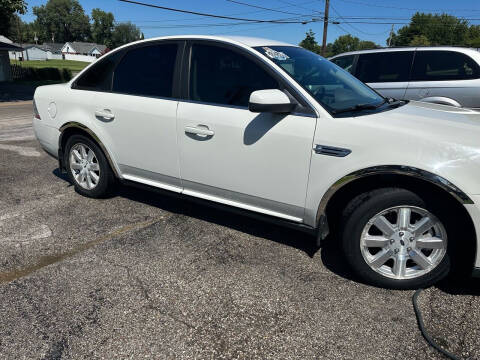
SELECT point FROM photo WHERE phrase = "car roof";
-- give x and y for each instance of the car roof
(412, 48)
(244, 40)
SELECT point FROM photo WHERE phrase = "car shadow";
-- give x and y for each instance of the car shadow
(221, 215)
(61, 175)
(330, 251)
(214, 213)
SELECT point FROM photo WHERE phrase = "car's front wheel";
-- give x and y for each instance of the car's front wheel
(393, 238)
(87, 167)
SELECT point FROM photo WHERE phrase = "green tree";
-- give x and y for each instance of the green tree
(63, 19)
(474, 36)
(124, 33)
(310, 43)
(366, 45)
(419, 40)
(102, 27)
(437, 29)
(8, 10)
(345, 43)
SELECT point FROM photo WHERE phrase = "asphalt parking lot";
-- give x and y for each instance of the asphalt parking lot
(145, 275)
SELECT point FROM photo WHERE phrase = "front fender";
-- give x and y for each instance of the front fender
(442, 183)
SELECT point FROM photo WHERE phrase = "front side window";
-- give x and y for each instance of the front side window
(384, 66)
(444, 65)
(334, 88)
(345, 62)
(99, 76)
(222, 76)
(147, 71)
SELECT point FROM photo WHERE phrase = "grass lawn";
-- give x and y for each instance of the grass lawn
(69, 64)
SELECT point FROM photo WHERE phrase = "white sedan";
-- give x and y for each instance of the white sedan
(282, 133)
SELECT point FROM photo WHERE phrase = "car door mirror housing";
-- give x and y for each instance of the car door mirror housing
(270, 100)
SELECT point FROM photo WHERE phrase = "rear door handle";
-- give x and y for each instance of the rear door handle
(199, 130)
(105, 114)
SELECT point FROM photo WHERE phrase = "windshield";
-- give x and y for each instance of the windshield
(334, 88)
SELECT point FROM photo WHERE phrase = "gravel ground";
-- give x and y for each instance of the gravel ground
(146, 275)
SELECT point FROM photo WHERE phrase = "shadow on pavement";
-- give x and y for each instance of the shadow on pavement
(12, 91)
(331, 253)
(221, 215)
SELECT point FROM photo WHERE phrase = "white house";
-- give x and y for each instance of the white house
(46, 51)
(83, 48)
(33, 52)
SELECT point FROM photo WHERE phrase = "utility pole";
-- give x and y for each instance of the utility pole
(325, 27)
(390, 37)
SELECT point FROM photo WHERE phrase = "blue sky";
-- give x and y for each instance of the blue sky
(156, 22)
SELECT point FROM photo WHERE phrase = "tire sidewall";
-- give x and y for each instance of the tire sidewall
(103, 186)
(371, 205)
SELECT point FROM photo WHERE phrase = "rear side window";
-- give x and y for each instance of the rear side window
(147, 71)
(99, 76)
(345, 62)
(222, 76)
(384, 67)
(444, 65)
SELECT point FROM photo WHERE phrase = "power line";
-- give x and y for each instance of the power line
(196, 25)
(234, 14)
(299, 5)
(404, 8)
(353, 27)
(279, 21)
(264, 8)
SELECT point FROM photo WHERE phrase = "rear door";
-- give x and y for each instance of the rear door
(256, 161)
(442, 73)
(386, 72)
(138, 114)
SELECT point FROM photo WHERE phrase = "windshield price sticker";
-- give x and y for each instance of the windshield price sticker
(273, 54)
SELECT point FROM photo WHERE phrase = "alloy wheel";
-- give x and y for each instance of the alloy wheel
(84, 166)
(403, 242)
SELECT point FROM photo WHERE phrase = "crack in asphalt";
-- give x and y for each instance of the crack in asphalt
(137, 282)
(47, 260)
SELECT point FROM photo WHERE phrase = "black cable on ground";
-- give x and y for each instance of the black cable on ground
(421, 326)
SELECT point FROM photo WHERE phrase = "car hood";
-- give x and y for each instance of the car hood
(437, 123)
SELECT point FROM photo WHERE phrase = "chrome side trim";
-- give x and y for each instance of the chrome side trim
(331, 150)
(92, 134)
(390, 169)
(245, 201)
(164, 181)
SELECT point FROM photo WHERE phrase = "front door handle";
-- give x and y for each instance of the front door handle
(199, 130)
(105, 114)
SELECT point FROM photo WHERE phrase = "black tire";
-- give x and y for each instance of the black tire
(363, 208)
(106, 181)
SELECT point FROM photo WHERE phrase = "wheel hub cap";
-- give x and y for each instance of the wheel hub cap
(84, 166)
(403, 242)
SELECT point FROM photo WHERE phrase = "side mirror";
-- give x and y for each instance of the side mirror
(271, 100)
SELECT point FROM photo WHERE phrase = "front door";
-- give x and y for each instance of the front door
(256, 161)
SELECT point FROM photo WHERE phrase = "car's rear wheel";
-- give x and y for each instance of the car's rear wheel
(393, 238)
(87, 167)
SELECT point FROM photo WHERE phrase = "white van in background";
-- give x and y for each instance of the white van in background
(442, 75)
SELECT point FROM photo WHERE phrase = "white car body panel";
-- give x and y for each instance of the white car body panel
(265, 157)
(143, 128)
(273, 170)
